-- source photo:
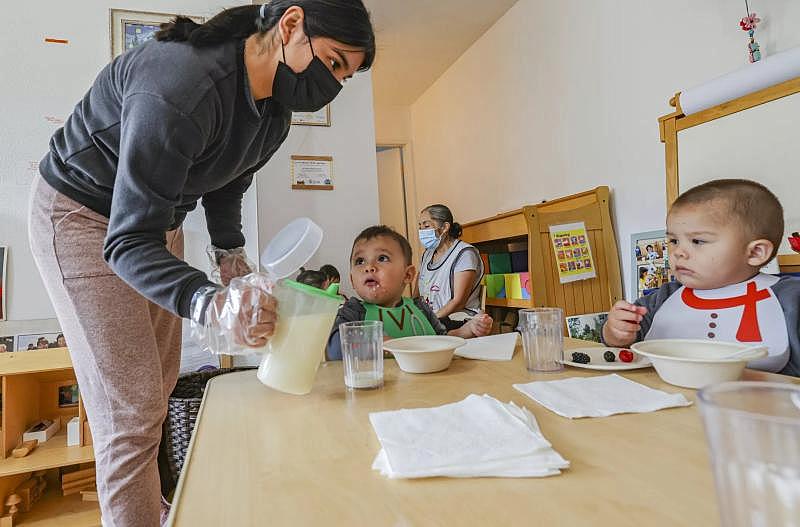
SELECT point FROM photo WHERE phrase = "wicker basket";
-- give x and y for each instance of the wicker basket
(182, 409)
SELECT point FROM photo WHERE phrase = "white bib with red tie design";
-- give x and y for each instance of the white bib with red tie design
(747, 312)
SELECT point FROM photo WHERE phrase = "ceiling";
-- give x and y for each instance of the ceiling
(418, 40)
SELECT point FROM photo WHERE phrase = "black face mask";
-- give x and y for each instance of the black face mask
(307, 91)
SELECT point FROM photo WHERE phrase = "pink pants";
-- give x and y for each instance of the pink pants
(125, 351)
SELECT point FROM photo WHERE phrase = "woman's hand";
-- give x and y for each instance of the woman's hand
(478, 326)
(227, 264)
(256, 314)
(233, 319)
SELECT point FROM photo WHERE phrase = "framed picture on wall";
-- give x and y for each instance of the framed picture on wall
(7, 344)
(321, 117)
(38, 341)
(586, 327)
(3, 258)
(68, 395)
(129, 29)
(649, 262)
(312, 172)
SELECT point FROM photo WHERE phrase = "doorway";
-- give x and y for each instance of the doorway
(392, 196)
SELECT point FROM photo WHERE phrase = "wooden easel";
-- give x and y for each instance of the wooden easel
(669, 125)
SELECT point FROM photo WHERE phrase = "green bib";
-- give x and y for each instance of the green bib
(405, 320)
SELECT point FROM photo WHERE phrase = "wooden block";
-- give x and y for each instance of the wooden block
(27, 491)
(25, 448)
(80, 484)
(7, 521)
(77, 475)
(89, 495)
(87, 434)
(76, 490)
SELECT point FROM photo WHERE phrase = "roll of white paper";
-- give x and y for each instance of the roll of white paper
(768, 72)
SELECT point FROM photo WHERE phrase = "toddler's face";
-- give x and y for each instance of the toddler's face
(705, 251)
(378, 271)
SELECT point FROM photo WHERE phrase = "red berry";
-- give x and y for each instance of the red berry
(626, 355)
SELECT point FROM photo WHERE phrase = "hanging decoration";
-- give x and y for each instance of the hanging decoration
(749, 24)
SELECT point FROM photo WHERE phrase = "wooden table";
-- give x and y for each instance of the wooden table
(260, 457)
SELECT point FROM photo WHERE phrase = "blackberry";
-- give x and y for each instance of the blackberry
(609, 356)
(580, 358)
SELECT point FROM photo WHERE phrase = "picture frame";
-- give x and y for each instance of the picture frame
(312, 172)
(37, 341)
(321, 117)
(3, 292)
(649, 262)
(128, 29)
(586, 327)
(68, 395)
(7, 344)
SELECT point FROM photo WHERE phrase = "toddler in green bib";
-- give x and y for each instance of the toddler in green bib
(380, 270)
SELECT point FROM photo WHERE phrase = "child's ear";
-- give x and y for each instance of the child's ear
(759, 252)
(411, 272)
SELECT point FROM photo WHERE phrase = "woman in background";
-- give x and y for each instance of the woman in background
(451, 270)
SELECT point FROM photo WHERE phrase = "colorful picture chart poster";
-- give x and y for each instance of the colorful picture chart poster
(572, 251)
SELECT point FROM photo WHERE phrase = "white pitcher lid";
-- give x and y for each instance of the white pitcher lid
(291, 248)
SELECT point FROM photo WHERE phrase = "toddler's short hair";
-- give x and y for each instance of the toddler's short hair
(755, 207)
(377, 231)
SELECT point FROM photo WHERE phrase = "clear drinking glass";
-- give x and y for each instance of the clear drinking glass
(753, 432)
(542, 338)
(362, 353)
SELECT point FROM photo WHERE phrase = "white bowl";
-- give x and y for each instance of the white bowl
(424, 354)
(696, 363)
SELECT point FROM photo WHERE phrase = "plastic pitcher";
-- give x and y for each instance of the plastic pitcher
(305, 319)
(305, 313)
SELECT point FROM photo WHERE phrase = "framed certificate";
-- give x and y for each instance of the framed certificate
(312, 172)
(319, 118)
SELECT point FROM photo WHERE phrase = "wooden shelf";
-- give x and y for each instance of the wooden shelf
(789, 259)
(55, 510)
(33, 361)
(50, 454)
(509, 302)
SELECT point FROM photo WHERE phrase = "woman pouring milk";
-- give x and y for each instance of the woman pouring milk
(188, 116)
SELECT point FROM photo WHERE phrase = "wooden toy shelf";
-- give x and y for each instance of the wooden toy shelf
(531, 224)
(30, 382)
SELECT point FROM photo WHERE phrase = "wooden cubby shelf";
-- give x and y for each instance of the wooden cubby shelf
(531, 224)
(50, 454)
(30, 382)
(509, 302)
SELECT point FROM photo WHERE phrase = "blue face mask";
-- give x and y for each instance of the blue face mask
(428, 238)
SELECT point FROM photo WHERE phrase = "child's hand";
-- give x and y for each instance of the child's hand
(623, 323)
(480, 325)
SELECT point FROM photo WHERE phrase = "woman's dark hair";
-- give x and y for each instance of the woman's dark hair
(441, 214)
(330, 272)
(346, 21)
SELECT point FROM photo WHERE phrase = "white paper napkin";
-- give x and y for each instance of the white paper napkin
(599, 396)
(478, 436)
(494, 347)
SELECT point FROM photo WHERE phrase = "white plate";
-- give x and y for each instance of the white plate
(597, 362)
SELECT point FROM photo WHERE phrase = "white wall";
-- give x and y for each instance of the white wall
(43, 81)
(560, 97)
(392, 124)
(353, 204)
